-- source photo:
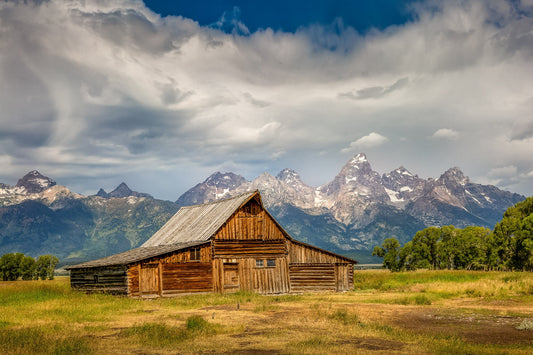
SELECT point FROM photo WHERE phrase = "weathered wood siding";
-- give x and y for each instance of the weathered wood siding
(299, 253)
(184, 256)
(249, 248)
(172, 273)
(250, 222)
(312, 277)
(187, 277)
(247, 236)
(344, 277)
(105, 279)
(243, 274)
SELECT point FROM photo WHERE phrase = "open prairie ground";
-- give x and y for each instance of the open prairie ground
(423, 312)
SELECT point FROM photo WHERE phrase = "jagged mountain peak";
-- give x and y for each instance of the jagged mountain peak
(357, 170)
(289, 176)
(402, 171)
(102, 193)
(454, 175)
(358, 159)
(224, 180)
(35, 182)
(122, 190)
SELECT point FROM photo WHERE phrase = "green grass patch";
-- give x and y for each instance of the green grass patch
(162, 335)
(38, 340)
(342, 316)
(384, 280)
(315, 344)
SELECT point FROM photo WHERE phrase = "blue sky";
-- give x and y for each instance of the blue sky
(288, 16)
(93, 93)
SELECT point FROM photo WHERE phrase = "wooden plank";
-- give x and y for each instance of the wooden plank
(249, 248)
(160, 278)
(187, 277)
(312, 277)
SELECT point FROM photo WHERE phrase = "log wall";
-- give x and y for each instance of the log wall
(299, 253)
(185, 278)
(105, 279)
(172, 273)
(249, 248)
(312, 277)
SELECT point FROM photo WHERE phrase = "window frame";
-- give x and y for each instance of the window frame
(195, 254)
(270, 261)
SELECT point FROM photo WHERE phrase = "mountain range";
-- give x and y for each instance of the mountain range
(351, 214)
(359, 208)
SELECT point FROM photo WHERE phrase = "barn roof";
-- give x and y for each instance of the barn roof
(198, 223)
(190, 226)
(134, 255)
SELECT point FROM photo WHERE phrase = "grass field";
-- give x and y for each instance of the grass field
(423, 312)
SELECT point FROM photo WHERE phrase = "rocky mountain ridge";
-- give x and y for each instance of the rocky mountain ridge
(351, 214)
(37, 217)
(364, 203)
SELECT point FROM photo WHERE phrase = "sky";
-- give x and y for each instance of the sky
(162, 94)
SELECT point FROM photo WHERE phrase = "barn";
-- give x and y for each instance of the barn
(224, 246)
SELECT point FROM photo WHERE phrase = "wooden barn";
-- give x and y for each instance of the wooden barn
(223, 246)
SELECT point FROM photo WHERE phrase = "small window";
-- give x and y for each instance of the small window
(195, 254)
(95, 279)
(259, 263)
(271, 262)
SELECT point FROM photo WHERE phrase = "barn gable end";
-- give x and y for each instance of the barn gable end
(223, 246)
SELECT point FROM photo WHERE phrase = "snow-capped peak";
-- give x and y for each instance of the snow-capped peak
(288, 176)
(358, 159)
(34, 182)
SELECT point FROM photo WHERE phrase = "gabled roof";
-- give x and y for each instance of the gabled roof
(190, 226)
(134, 255)
(198, 223)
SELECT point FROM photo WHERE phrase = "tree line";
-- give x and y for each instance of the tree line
(14, 266)
(509, 246)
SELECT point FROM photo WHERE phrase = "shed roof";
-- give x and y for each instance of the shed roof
(134, 255)
(198, 223)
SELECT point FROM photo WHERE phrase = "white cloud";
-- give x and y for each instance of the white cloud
(372, 140)
(111, 87)
(446, 133)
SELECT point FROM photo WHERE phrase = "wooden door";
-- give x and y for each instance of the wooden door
(149, 284)
(231, 277)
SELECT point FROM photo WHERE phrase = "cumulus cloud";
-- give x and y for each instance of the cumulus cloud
(372, 140)
(446, 133)
(93, 89)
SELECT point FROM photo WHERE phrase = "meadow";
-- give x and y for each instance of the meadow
(422, 312)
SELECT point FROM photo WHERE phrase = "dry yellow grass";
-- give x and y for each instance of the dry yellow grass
(403, 313)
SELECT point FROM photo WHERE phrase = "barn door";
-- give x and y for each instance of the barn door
(231, 277)
(149, 284)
